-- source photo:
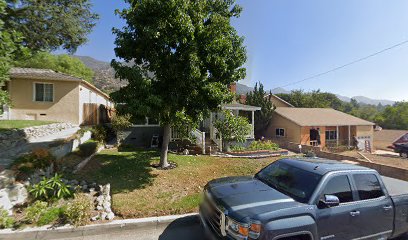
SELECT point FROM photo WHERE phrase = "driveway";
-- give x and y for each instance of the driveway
(180, 229)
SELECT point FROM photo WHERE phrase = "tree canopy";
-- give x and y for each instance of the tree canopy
(185, 54)
(9, 43)
(60, 63)
(52, 24)
(259, 98)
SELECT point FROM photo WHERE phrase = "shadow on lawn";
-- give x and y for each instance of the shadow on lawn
(125, 171)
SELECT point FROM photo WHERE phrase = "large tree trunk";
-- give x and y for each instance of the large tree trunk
(165, 146)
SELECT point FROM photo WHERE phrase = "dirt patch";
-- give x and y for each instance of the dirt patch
(385, 159)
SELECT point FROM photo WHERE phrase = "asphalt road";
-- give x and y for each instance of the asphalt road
(184, 228)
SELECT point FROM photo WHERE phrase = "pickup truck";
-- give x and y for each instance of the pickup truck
(298, 199)
(402, 149)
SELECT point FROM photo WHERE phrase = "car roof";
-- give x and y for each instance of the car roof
(321, 166)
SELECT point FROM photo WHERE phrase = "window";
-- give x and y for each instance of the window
(331, 135)
(280, 132)
(368, 186)
(44, 92)
(292, 181)
(339, 186)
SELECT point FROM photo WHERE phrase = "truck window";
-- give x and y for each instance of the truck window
(297, 183)
(339, 186)
(368, 186)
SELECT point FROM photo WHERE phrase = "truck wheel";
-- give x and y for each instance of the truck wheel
(404, 155)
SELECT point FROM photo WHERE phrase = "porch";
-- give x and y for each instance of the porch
(328, 136)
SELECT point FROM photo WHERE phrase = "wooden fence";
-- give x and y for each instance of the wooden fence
(93, 115)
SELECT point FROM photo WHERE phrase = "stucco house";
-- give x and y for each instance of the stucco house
(324, 127)
(43, 94)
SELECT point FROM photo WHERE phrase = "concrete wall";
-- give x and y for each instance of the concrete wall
(64, 108)
(141, 136)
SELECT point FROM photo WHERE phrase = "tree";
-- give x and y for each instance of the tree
(49, 25)
(259, 98)
(60, 63)
(394, 117)
(184, 55)
(9, 43)
(232, 127)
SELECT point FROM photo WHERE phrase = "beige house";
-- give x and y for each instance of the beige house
(42, 94)
(319, 127)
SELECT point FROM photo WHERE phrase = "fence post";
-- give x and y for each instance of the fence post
(203, 142)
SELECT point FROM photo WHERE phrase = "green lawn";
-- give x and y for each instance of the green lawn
(138, 190)
(18, 124)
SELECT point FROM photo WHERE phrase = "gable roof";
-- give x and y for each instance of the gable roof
(320, 117)
(51, 75)
(280, 99)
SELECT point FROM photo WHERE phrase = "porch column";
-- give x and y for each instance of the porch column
(253, 124)
(349, 137)
(338, 134)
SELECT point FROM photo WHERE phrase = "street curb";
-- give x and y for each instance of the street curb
(67, 231)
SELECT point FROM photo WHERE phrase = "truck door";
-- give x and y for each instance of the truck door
(336, 222)
(374, 213)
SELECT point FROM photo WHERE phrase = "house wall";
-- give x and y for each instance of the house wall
(277, 102)
(62, 109)
(292, 130)
(89, 95)
(141, 136)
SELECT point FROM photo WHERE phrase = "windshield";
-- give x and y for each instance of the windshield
(292, 181)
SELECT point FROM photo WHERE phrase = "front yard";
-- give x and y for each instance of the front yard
(19, 124)
(139, 190)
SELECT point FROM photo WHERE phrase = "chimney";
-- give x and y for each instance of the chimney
(233, 87)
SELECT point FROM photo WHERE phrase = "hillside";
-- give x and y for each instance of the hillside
(105, 79)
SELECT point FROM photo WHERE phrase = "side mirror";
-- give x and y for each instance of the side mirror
(330, 201)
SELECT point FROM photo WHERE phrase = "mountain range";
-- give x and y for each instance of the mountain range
(105, 80)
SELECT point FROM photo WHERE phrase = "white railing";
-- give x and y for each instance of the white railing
(199, 138)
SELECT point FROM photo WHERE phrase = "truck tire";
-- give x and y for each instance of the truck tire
(404, 155)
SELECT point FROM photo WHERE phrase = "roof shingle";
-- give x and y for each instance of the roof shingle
(320, 117)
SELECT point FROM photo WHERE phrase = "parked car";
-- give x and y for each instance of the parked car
(402, 149)
(300, 199)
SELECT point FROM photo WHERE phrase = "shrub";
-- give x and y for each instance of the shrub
(50, 189)
(237, 148)
(99, 133)
(49, 216)
(78, 211)
(40, 214)
(263, 145)
(88, 148)
(121, 122)
(34, 212)
(5, 220)
(27, 164)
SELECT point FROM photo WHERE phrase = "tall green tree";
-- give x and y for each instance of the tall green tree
(52, 24)
(258, 97)
(185, 54)
(9, 43)
(394, 117)
(60, 63)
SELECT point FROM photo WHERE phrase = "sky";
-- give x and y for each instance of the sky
(290, 40)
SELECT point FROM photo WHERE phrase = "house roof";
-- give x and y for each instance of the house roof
(280, 99)
(48, 74)
(239, 106)
(320, 117)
